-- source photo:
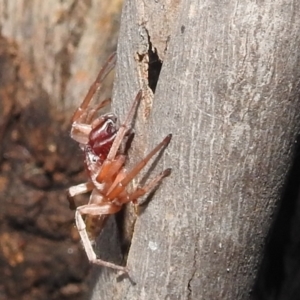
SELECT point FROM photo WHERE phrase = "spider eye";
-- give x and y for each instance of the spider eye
(94, 159)
(110, 128)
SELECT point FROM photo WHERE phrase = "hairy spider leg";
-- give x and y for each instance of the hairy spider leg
(141, 191)
(92, 257)
(113, 173)
(123, 130)
(95, 222)
(109, 207)
(106, 69)
(77, 190)
(120, 187)
(81, 188)
(83, 116)
(97, 214)
(103, 210)
(92, 112)
(103, 207)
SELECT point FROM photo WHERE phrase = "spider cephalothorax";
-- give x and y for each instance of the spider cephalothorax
(101, 140)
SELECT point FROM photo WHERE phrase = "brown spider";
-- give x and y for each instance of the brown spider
(101, 139)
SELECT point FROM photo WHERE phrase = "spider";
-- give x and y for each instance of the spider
(101, 140)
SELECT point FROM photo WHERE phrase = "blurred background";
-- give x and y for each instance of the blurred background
(50, 53)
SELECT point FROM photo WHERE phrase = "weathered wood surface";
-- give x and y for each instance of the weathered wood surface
(229, 93)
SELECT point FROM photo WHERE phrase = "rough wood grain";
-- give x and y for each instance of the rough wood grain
(229, 93)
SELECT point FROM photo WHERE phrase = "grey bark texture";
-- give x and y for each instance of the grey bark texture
(228, 91)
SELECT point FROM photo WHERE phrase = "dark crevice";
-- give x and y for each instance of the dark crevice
(154, 68)
(273, 270)
(194, 268)
(154, 64)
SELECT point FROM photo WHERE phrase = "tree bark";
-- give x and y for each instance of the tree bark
(228, 91)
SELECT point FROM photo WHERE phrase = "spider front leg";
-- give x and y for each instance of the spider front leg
(141, 191)
(108, 66)
(81, 188)
(77, 190)
(83, 116)
(117, 188)
(93, 209)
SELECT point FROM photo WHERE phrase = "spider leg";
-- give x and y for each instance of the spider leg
(121, 175)
(120, 187)
(92, 257)
(93, 111)
(80, 189)
(88, 229)
(124, 128)
(82, 117)
(106, 208)
(80, 132)
(114, 167)
(108, 66)
(141, 191)
(77, 190)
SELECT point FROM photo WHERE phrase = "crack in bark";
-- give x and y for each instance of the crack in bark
(152, 64)
(154, 67)
(149, 67)
(194, 268)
